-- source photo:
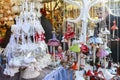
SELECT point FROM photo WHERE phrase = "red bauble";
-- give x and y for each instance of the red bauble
(84, 49)
(89, 73)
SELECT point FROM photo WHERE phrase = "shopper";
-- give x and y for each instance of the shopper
(47, 26)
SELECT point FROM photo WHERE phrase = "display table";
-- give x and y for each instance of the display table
(59, 73)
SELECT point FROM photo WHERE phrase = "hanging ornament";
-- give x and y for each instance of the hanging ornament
(94, 40)
(54, 41)
(70, 33)
(75, 48)
(75, 66)
(104, 74)
(39, 37)
(108, 50)
(84, 49)
(114, 27)
(100, 75)
(102, 53)
(15, 9)
(38, 6)
(106, 31)
(89, 73)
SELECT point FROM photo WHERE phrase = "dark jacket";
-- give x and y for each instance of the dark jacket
(47, 26)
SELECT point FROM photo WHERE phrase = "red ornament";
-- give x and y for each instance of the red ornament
(70, 33)
(39, 37)
(59, 55)
(74, 66)
(99, 75)
(84, 49)
(89, 73)
(114, 27)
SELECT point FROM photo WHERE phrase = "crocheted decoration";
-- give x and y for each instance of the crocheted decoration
(27, 46)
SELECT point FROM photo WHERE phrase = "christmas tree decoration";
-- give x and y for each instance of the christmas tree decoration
(27, 48)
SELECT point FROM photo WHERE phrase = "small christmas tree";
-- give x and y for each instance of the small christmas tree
(26, 48)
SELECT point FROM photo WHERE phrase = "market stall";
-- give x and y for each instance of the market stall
(77, 40)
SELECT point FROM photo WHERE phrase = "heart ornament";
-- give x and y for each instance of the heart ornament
(26, 28)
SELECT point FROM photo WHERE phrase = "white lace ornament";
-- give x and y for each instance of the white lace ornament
(10, 71)
(22, 49)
